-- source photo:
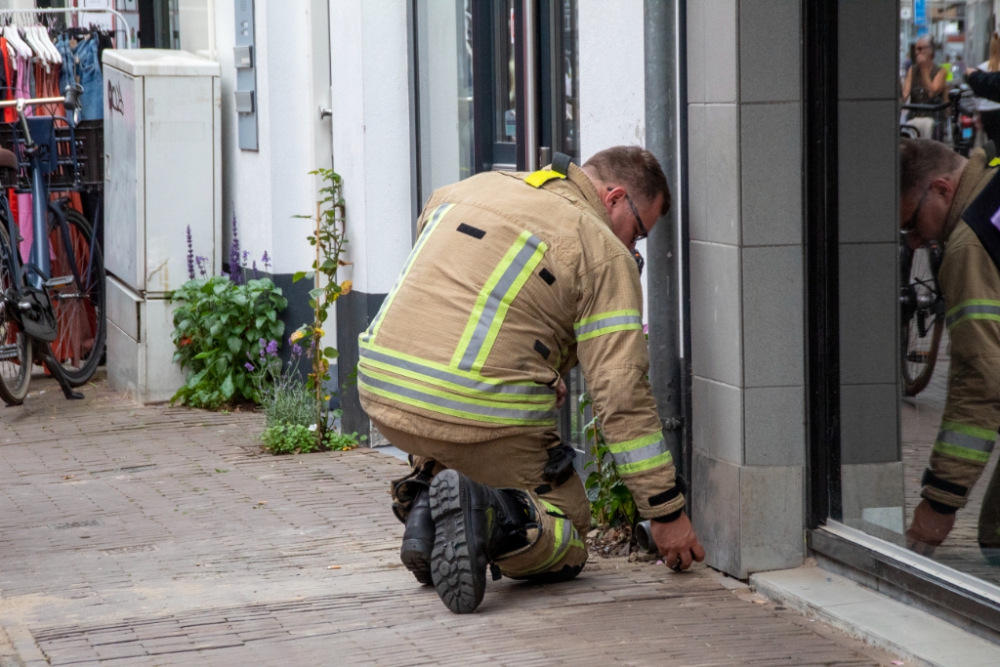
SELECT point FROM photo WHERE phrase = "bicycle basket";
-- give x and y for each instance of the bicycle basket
(75, 162)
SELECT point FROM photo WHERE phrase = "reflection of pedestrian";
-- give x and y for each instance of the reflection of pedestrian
(925, 80)
(947, 198)
(989, 110)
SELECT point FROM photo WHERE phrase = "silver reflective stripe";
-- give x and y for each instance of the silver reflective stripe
(978, 309)
(460, 380)
(966, 441)
(641, 454)
(421, 240)
(496, 296)
(608, 322)
(461, 406)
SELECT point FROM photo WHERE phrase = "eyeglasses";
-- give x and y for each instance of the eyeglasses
(642, 228)
(910, 225)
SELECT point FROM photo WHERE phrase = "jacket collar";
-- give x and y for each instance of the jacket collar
(579, 178)
(974, 178)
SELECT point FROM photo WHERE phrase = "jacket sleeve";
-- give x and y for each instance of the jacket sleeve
(972, 410)
(985, 84)
(614, 357)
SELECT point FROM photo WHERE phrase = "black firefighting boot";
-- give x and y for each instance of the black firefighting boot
(418, 538)
(474, 525)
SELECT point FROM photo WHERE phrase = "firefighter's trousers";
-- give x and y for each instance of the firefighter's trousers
(517, 462)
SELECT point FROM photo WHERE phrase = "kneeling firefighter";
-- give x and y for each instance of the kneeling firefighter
(513, 278)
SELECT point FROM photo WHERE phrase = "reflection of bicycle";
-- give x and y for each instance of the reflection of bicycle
(959, 126)
(52, 305)
(922, 311)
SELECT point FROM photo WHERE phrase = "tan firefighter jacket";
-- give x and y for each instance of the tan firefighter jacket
(514, 277)
(970, 282)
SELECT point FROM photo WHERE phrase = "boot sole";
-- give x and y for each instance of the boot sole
(453, 569)
(416, 556)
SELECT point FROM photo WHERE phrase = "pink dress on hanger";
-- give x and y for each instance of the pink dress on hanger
(23, 91)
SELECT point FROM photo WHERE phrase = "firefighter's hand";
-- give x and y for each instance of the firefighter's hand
(928, 530)
(677, 542)
(560, 394)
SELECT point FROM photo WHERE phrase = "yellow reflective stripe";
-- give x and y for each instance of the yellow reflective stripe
(605, 323)
(549, 507)
(995, 162)
(608, 330)
(565, 533)
(634, 443)
(961, 452)
(395, 396)
(494, 300)
(539, 178)
(601, 316)
(647, 464)
(501, 314)
(429, 228)
(467, 378)
(458, 388)
(974, 431)
(973, 309)
(577, 543)
(500, 405)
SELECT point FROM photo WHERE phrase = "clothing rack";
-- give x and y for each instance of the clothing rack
(73, 10)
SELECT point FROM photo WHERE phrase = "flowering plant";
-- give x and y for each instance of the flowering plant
(217, 324)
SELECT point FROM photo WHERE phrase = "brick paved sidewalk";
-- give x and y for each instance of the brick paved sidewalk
(162, 536)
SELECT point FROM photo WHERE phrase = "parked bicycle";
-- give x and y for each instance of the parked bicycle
(52, 304)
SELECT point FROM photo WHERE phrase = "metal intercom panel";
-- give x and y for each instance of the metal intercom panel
(244, 58)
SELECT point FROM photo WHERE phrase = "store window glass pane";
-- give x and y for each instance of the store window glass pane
(566, 84)
(920, 310)
(444, 85)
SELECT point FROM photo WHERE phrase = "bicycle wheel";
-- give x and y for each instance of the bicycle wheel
(80, 314)
(922, 321)
(15, 348)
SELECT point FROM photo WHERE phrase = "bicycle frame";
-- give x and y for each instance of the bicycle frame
(37, 270)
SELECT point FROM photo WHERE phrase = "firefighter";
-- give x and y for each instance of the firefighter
(513, 279)
(947, 198)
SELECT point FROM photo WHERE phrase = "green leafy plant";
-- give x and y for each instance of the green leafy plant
(329, 240)
(217, 327)
(283, 438)
(611, 502)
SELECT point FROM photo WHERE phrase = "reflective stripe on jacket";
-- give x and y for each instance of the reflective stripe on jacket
(507, 285)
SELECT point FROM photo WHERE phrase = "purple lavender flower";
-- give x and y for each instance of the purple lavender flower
(255, 276)
(272, 348)
(266, 261)
(246, 254)
(296, 350)
(190, 255)
(202, 263)
(263, 347)
(235, 270)
(249, 366)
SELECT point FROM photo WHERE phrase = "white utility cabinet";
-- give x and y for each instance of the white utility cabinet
(162, 145)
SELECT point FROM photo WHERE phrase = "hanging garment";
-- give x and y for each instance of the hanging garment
(91, 78)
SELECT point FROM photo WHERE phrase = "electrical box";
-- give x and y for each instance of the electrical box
(163, 176)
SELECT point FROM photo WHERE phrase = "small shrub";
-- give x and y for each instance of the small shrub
(284, 438)
(216, 329)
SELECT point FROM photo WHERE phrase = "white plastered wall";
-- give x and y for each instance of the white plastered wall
(266, 188)
(612, 81)
(371, 129)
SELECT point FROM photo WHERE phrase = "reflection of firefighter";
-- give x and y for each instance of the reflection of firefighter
(947, 198)
(513, 278)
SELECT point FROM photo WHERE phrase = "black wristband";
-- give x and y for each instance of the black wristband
(668, 518)
(933, 481)
(680, 487)
(941, 508)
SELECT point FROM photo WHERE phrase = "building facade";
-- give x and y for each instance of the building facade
(797, 437)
